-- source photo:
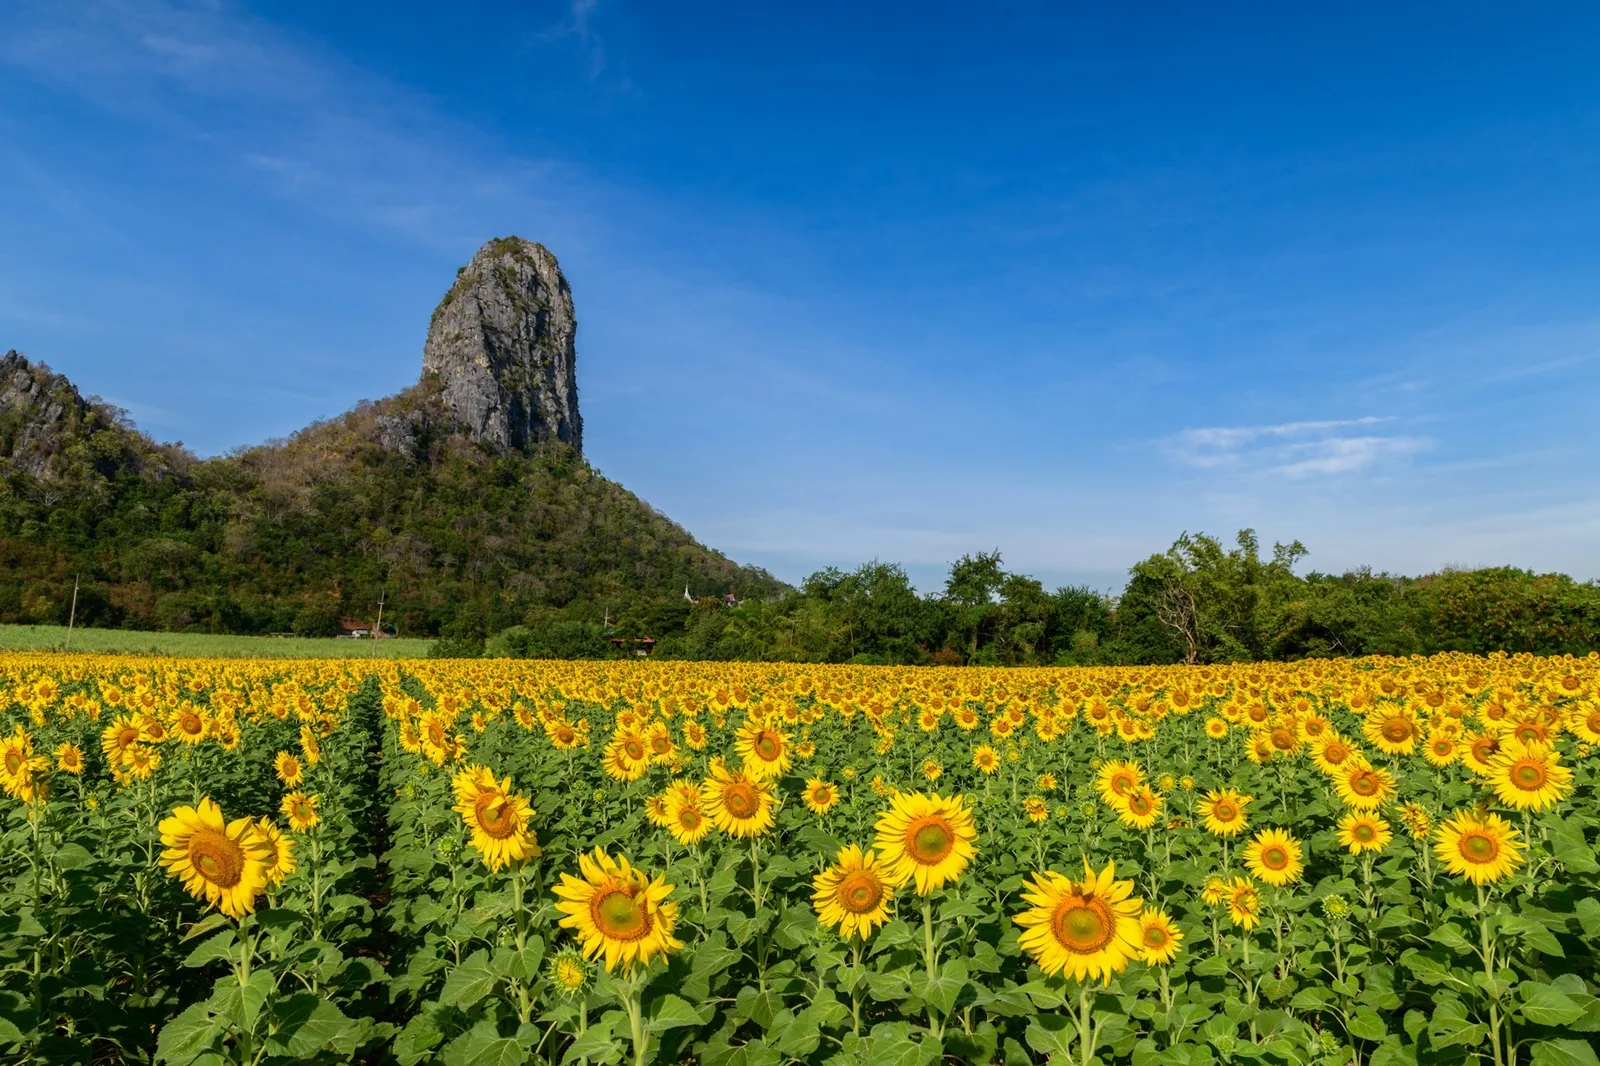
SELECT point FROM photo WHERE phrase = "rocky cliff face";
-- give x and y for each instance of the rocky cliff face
(502, 344)
(38, 412)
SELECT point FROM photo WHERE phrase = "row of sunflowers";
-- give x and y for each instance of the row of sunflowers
(1377, 861)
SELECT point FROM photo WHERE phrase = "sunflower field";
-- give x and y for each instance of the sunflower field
(1377, 861)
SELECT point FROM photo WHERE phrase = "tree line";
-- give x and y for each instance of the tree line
(1201, 601)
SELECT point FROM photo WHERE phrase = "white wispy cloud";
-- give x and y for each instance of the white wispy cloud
(1292, 449)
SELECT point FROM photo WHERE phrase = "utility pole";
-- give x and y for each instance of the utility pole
(72, 616)
(379, 627)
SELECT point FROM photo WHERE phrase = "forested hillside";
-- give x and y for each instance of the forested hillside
(291, 536)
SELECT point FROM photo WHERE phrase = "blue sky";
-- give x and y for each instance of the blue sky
(869, 280)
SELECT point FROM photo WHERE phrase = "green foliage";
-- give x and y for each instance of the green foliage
(293, 535)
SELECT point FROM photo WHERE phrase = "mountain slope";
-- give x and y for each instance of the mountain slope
(464, 526)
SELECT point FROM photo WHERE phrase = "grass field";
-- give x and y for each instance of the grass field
(202, 645)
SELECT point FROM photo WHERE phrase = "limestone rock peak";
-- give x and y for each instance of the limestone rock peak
(502, 343)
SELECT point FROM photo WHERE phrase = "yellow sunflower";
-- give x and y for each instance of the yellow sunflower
(1274, 857)
(1529, 776)
(69, 758)
(764, 749)
(141, 762)
(1395, 731)
(1084, 929)
(1036, 808)
(20, 767)
(1159, 939)
(655, 810)
(1216, 728)
(300, 810)
(497, 817)
(626, 756)
(1441, 749)
(686, 816)
(190, 725)
(1117, 778)
(1244, 903)
(1363, 831)
(224, 864)
(1479, 846)
(1363, 787)
(854, 894)
(118, 738)
(1140, 808)
(820, 796)
(1332, 751)
(984, 759)
(1583, 719)
(927, 839)
(1223, 812)
(279, 862)
(738, 805)
(617, 913)
(287, 766)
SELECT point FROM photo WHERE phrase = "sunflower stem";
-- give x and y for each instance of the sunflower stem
(930, 952)
(641, 1039)
(1086, 1034)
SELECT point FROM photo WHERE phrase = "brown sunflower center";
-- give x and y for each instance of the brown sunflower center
(1364, 783)
(1123, 782)
(191, 725)
(1364, 832)
(497, 815)
(740, 799)
(1224, 811)
(767, 746)
(216, 857)
(929, 840)
(633, 749)
(1396, 730)
(1083, 925)
(689, 819)
(13, 761)
(1274, 857)
(618, 915)
(1140, 804)
(565, 734)
(1155, 937)
(860, 892)
(1478, 846)
(1529, 775)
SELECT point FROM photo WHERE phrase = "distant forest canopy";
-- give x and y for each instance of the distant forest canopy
(1198, 602)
